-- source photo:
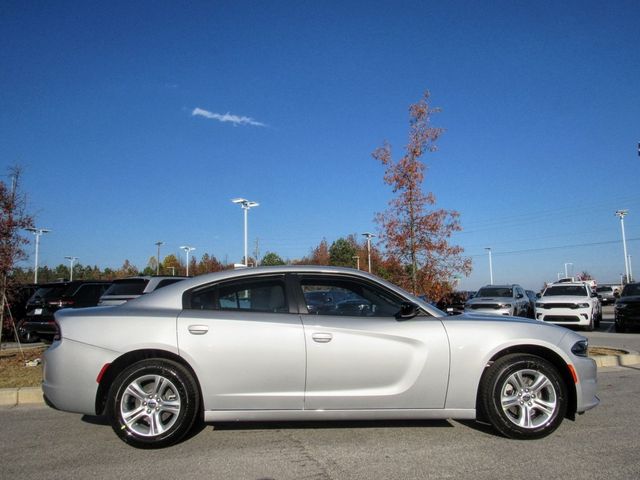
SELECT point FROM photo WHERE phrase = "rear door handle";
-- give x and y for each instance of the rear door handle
(198, 329)
(322, 337)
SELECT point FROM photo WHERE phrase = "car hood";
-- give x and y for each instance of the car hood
(564, 299)
(488, 317)
(633, 299)
(490, 300)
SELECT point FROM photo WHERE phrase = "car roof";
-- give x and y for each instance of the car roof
(171, 296)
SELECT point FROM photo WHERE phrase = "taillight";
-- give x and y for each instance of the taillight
(62, 303)
(57, 335)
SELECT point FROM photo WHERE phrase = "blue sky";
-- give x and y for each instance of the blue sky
(540, 102)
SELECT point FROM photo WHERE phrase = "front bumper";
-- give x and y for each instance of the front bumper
(565, 316)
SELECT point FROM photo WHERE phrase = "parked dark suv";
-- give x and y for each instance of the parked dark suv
(627, 310)
(49, 297)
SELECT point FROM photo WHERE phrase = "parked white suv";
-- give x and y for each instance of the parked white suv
(500, 300)
(568, 304)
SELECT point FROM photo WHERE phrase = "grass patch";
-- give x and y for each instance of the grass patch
(14, 373)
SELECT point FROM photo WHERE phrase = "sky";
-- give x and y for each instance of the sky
(138, 122)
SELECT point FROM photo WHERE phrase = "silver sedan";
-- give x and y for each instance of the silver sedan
(309, 343)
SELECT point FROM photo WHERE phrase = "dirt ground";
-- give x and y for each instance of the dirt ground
(14, 372)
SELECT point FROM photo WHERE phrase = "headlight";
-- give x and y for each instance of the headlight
(620, 306)
(539, 305)
(580, 348)
(505, 305)
(583, 305)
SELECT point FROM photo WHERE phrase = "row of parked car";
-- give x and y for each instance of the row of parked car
(35, 305)
(566, 302)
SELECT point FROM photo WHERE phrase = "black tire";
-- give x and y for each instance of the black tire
(514, 409)
(620, 327)
(589, 328)
(161, 399)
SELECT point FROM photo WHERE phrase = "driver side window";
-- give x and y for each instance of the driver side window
(344, 297)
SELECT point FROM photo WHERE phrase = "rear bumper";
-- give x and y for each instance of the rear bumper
(70, 373)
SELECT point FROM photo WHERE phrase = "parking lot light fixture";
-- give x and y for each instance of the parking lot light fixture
(566, 271)
(245, 205)
(187, 249)
(38, 232)
(369, 236)
(490, 265)
(71, 260)
(622, 214)
(158, 244)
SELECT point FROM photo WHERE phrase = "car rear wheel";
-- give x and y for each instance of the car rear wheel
(523, 396)
(153, 403)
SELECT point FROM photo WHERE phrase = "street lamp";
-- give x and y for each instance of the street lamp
(621, 214)
(246, 205)
(369, 235)
(490, 264)
(38, 232)
(71, 260)
(157, 244)
(187, 249)
(566, 274)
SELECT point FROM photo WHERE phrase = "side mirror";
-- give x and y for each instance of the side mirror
(538, 295)
(407, 311)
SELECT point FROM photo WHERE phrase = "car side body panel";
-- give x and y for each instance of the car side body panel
(245, 361)
(375, 362)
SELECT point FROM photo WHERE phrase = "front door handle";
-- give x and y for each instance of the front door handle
(322, 337)
(198, 329)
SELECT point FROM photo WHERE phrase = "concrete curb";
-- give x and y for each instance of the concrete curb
(622, 360)
(11, 397)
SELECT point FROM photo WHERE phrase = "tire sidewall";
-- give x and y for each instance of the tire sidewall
(186, 390)
(501, 371)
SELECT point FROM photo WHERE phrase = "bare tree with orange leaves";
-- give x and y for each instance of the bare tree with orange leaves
(414, 233)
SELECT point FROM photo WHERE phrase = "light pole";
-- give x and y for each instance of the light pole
(369, 235)
(566, 274)
(621, 214)
(187, 249)
(630, 270)
(38, 232)
(490, 264)
(71, 260)
(157, 244)
(246, 205)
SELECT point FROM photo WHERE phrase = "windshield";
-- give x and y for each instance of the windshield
(133, 286)
(495, 292)
(604, 289)
(570, 290)
(631, 290)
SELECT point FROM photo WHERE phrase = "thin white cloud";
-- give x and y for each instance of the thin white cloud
(227, 117)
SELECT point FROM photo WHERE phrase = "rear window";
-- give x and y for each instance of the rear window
(168, 281)
(49, 292)
(134, 286)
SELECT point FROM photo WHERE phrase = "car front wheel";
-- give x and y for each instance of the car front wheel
(153, 403)
(523, 396)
